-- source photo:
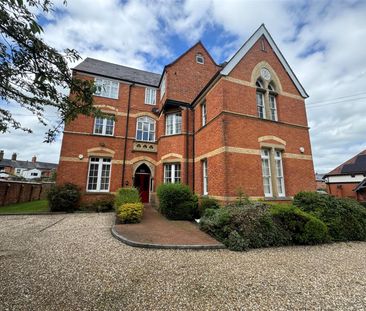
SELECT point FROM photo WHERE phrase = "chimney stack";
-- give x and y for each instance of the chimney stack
(34, 159)
(14, 157)
(1, 155)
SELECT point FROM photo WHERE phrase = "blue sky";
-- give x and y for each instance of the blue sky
(321, 40)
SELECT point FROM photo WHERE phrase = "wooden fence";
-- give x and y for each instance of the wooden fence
(19, 191)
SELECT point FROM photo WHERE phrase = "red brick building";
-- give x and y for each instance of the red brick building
(348, 180)
(219, 128)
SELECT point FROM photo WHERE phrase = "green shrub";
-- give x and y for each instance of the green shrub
(345, 218)
(126, 195)
(242, 227)
(100, 206)
(207, 203)
(302, 227)
(64, 198)
(130, 212)
(177, 201)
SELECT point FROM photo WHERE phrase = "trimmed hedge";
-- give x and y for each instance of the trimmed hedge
(345, 218)
(130, 212)
(302, 227)
(64, 198)
(126, 195)
(177, 201)
(255, 225)
(243, 227)
(207, 203)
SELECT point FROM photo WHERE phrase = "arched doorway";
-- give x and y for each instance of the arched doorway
(142, 182)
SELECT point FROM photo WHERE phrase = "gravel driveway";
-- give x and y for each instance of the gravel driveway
(71, 262)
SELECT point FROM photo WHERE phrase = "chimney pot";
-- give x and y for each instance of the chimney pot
(14, 156)
(34, 159)
(1, 155)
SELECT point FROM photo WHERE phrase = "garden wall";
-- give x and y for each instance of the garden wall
(19, 191)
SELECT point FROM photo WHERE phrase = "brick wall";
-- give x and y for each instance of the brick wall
(231, 140)
(12, 192)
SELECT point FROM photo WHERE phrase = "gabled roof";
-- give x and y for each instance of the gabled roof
(185, 53)
(262, 31)
(109, 70)
(355, 165)
(28, 164)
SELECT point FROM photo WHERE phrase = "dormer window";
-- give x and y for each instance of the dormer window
(200, 59)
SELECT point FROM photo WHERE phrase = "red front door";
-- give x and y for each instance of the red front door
(142, 182)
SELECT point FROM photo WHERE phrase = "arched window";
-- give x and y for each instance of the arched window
(272, 101)
(145, 129)
(266, 100)
(260, 100)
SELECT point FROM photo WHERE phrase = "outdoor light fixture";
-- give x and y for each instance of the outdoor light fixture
(81, 157)
(302, 149)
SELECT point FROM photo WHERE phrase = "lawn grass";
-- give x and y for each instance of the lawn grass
(27, 207)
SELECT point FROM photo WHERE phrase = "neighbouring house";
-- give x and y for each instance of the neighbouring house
(238, 126)
(27, 169)
(348, 180)
(320, 182)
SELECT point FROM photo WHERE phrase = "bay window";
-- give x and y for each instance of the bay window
(173, 123)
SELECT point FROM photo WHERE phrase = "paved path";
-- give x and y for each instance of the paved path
(157, 230)
(71, 262)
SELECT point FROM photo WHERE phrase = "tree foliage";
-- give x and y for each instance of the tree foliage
(35, 75)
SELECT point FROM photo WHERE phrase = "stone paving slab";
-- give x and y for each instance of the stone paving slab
(157, 231)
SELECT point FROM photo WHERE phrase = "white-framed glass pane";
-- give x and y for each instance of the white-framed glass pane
(98, 126)
(167, 173)
(99, 174)
(162, 87)
(109, 127)
(176, 173)
(150, 96)
(204, 114)
(266, 172)
(273, 107)
(279, 174)
(260, 106)
(205, 177)
(106, 88)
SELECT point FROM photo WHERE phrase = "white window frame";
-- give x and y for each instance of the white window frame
(106, 88)
(176, 127)
(173, 169)
(145, 120)
(205, 177)
(163, 86)
(266, 158)
(150, 96)
(200, 59)
(273, 107)
(204, 113)
(104, 126)
(261, 107)
(100, 162)
(280, 178)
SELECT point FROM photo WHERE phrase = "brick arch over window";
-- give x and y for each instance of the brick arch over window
(100, 152)
(256, 74)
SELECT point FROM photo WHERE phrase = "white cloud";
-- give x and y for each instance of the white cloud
(137, 33)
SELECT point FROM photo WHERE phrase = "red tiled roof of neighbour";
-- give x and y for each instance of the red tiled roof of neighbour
(356, 164)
